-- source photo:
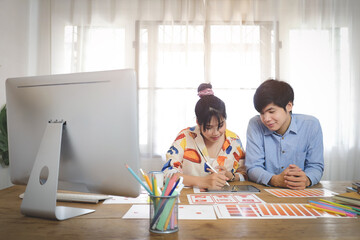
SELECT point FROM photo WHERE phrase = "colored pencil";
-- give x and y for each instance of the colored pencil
(169, 217)
(156, 187)
(138, 179)
(338, 204)
(152, 180)
(165, 186)
(170, 185)
(160, 210)
(333, 209)
(166, 211)
(336, 207)
(325, 210)
(165, 192)
(175, 185)
(146, 179)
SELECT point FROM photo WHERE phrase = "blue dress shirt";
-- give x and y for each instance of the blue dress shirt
(268, 153)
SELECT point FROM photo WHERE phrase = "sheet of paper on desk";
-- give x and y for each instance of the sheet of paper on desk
(311, 192)
(223, 198)
(137, 212)
(186, 212)
(142, 198)
(198, 212)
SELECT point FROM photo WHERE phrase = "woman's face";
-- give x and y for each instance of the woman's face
(214, 131)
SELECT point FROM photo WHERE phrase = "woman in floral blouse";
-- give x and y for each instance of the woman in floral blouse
(208, 143)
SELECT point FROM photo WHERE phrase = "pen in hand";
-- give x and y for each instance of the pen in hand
(215, 172)
(206, 162)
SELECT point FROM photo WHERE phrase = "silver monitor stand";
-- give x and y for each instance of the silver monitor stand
(40, 194)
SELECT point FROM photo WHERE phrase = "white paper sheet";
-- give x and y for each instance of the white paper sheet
(141, 199)
(186, 212)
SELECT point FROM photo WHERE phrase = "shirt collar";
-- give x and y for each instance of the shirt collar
(293, 127)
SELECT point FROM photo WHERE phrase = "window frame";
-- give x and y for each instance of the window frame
(272, 46)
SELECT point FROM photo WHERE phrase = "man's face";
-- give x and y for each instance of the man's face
(275, 118)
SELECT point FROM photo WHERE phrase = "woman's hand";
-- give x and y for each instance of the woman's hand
(215, 180)
(222, 169)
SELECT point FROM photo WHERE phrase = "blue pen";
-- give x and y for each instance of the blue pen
(175, 185)
(138, 179)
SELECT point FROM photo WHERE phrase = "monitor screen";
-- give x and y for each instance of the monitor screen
(99, 135)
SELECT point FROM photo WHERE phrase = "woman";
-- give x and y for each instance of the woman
(208, 143)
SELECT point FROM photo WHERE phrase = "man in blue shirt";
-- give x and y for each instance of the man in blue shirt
(283, 149)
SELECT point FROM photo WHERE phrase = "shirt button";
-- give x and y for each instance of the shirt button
(282, 167)
(282, 138)
(283, 151)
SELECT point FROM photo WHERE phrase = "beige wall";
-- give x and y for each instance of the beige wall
(14, 15)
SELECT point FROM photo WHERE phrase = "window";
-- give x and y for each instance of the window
(318, 58)
(174, 58)
(93, 48)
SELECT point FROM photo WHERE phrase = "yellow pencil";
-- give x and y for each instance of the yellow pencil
(146, 179)
(325, 210)
(155, 188)
(335, 204)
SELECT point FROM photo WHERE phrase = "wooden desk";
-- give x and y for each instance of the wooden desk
(107, 223)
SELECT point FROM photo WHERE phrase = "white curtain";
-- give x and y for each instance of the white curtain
(235, 44)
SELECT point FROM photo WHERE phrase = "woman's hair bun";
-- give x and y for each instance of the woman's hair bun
(205, 89)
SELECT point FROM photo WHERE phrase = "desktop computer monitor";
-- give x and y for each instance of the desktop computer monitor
(73, 132)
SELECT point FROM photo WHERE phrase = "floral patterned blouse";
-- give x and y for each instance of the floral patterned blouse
(188, 154)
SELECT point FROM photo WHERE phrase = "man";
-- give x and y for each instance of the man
(283, 149)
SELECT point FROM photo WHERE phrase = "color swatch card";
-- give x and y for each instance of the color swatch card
(286, 211)
(223, 199)
(315, 192)
(247, 198)
(233, 211)
(269, 211)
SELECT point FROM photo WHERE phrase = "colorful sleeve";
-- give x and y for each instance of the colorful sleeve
(239, 157)
(174, 156)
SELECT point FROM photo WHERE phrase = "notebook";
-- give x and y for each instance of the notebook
(352, 198)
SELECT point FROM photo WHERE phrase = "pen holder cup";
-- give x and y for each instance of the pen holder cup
(163, 214)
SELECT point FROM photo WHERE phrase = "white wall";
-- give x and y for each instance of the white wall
(13, 52)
